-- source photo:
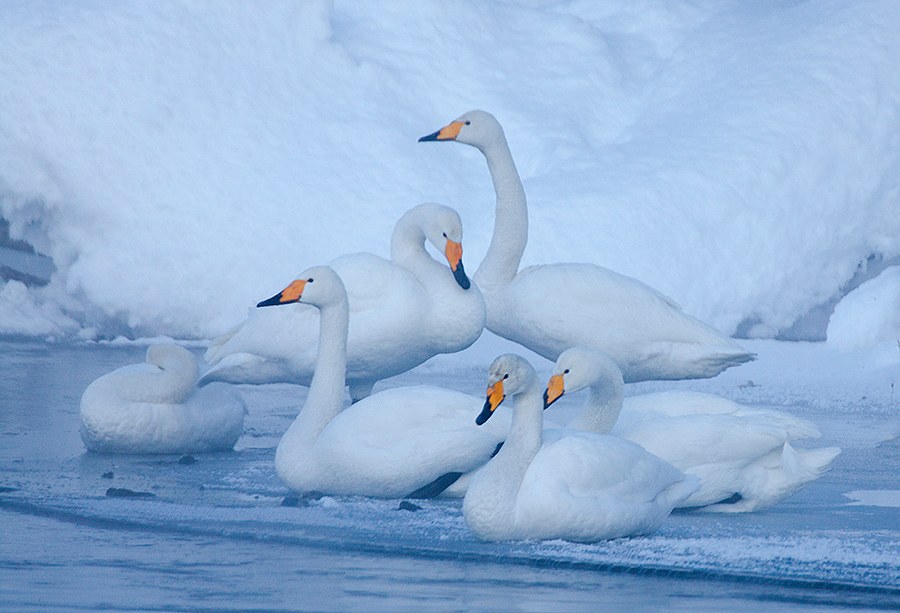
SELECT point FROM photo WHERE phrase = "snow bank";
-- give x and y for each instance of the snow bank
(869, 314)
(180, 161)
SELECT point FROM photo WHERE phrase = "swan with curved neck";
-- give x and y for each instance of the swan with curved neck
(155, 408)
(390, 444)
(662, 342)
(402, 312)
(741, 455)
(570, 485)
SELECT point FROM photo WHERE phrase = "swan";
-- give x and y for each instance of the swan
(646, 333)
(402, 312)
(399, 442)
(577, 486)
(744, 457)
(154, 408)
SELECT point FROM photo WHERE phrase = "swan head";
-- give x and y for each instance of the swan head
(476, 128)
(578, 368)
(509, 374)
(319, 286)
(443, 229)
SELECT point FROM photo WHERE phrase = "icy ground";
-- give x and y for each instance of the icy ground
(215, 533)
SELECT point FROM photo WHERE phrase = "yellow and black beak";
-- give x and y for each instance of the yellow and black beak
(448, 132)
(453, 253)
(495, 396)
(291, 293)
(556, 387)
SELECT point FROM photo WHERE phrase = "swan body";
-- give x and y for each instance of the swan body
(740, 454)
(387, 445)
(645, 333)
(402, 312)
(154, 408)
(562, 484)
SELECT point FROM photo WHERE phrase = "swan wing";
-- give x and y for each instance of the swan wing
(398, 440)
(646, 333)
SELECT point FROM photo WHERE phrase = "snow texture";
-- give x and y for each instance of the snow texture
(179, 161)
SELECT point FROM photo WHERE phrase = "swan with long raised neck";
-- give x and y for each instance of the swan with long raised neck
(402, 312)
(563, 484)
(645, 333)
(400, 442)
(155, 407)
(744, 458)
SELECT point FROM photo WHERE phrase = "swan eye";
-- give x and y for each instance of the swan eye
(506, 376)
(445, 235)
(468, 123)
(566, 371)
(310, 280)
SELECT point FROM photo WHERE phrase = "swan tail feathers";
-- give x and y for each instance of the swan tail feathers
(239, 368)
(676, 360)
(215, 351)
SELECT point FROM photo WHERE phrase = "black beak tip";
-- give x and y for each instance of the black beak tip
(460, 275)
(546, 404)
(485, 413)
(429, 137)
(274, 300)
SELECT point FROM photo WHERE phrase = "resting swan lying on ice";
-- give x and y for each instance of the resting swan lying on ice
(154, 407)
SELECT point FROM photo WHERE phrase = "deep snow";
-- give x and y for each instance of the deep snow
(180, 161)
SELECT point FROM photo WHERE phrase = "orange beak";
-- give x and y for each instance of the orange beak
(495, 396)
(448, 132)
(291, 293)
(556, 387)
(453, 253)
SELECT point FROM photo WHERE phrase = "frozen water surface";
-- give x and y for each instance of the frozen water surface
(216, 535)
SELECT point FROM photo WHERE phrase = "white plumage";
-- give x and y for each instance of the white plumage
(562, 484)
(402, 312)
(738, 453)
(645, 333)
(387, 445)
(155, 408)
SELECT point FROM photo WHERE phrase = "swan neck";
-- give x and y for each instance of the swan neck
(522, 444)
(501, 262)
(408, 246)
(326, 390)
(602, 407)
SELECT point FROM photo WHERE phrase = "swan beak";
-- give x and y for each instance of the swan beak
(556, 387)
(453, 253)
(291, 293)
(495, 396)
(448, 132)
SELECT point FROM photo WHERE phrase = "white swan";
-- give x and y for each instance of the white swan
(577, 486)
(155, 408)
(741, 455)
(647, 334)
(387, 445)
(402, 312)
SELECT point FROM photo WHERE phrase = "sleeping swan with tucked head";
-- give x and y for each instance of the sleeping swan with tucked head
(155, 407)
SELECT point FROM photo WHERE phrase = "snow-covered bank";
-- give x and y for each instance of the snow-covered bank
(180, 161)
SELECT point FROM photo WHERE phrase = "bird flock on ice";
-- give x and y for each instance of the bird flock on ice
(616, 470)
